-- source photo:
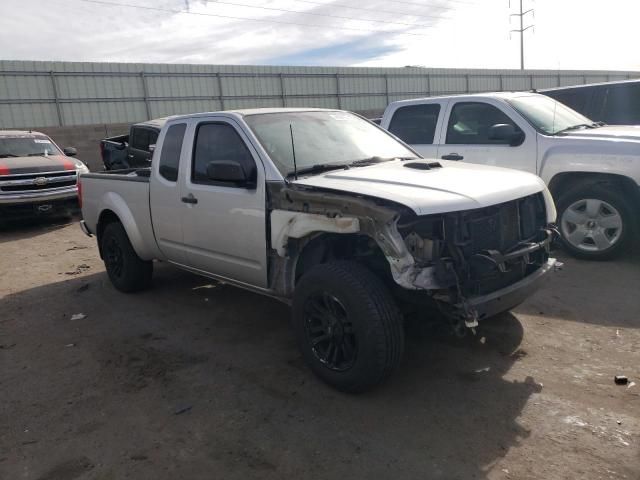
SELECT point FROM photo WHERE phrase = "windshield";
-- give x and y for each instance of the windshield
(546, 114)
(322, 138)
(27, 146)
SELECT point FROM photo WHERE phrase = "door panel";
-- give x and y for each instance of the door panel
(165, 194)
(224, 224)
(466, 137)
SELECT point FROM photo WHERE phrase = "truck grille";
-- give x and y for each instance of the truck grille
(37, 181)
(498, 230)
(501, 227)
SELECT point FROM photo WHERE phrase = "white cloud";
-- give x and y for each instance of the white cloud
(569, 33)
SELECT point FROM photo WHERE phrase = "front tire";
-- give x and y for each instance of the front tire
(127, 272)
(347, 325)
(595, 222)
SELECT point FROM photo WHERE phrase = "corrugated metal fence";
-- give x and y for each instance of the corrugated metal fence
(45, 94)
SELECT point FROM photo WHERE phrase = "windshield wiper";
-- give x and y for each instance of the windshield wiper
(5, 155)
(318, 168)
(580, 125)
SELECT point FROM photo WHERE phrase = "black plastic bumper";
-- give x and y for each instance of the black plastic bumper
(511, 296)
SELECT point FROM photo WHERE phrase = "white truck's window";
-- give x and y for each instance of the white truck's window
(219, 142)
(469, 123)
(415, 124)
(170, 155)
(546, 114)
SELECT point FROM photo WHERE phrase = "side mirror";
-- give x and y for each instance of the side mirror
(228, 171)
(506, 133)
(70, 151)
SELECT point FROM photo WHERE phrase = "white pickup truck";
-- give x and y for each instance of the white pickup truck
(592, 170)
(328, 212)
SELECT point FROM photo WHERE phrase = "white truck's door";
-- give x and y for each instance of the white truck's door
(465, 136)
(418, 125)
(224, 222)
(165, 193)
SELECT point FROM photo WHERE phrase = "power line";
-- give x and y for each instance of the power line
(316, 14)
(262, 20)
(377, 10)
(521, 30)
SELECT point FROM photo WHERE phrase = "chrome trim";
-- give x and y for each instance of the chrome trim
(66, 172)
(39, 195)
(32, 181)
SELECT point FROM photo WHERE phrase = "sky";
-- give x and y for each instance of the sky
(567, 34)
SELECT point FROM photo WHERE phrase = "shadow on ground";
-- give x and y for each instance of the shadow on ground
(191, 378)
(32, 226)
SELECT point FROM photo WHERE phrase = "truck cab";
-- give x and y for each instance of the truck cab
(592, 170)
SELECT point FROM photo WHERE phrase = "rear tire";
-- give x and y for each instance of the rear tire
(347, 325)
(127, 272)
(595, 222)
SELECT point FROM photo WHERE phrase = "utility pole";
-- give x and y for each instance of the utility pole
(521, 30)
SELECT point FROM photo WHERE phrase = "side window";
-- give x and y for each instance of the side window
(140, 139)
(469, 123)
(415, 124)
(219, 142)
(170, 155)
(623, 104)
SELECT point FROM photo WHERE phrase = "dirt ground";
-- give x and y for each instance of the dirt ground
(191, 380)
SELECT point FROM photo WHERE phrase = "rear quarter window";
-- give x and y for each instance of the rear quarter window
(415, 124)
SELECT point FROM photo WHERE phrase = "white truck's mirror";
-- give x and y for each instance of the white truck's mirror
(507, 133)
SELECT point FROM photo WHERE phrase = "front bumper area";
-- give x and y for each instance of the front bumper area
(511, 296)
(64, 193)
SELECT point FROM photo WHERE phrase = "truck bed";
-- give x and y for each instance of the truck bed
(126, 194)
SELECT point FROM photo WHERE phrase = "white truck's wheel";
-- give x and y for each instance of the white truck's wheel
(594, 221)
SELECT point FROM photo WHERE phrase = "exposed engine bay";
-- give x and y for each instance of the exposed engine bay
(457, 259)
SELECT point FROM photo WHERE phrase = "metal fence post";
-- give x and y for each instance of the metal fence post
(501, 82)
(220, 95)
(338, 90)
(283, 94)
(466, 83)
(56, 98)
(145, 92)
(530, 81)
(386, 87)
(428, 85)
(559, 80)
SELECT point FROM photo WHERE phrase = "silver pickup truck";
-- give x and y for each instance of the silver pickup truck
(326, 211)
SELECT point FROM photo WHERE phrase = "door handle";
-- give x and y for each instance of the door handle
(130, 155)
(190, 199)
(452, 156)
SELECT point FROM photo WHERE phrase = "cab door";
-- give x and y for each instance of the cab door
(224, 221)
(467, 137)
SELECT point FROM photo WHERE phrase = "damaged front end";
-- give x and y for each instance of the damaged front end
(480, 262)
(472, 264)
